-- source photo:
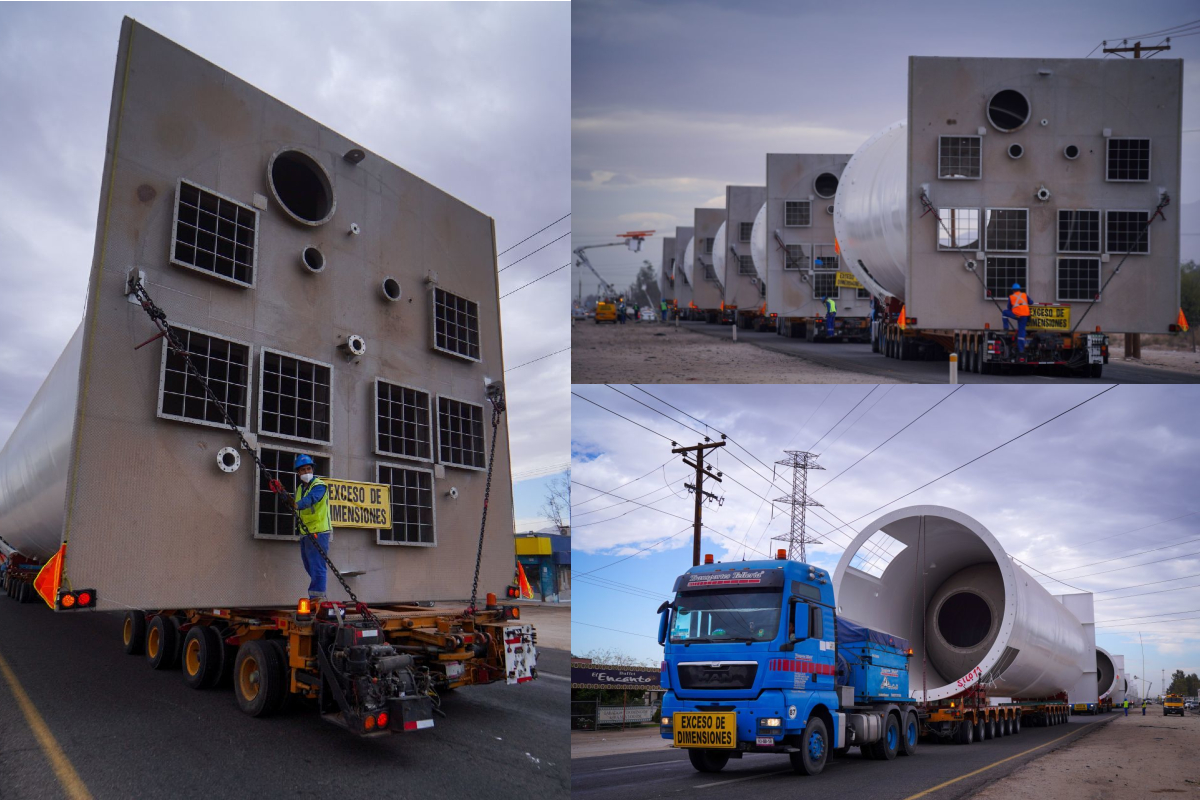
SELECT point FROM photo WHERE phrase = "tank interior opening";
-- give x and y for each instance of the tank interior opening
(1008, 110)
(314, 259)
(1071, 151)
(964, 619)
(391, 289)
(228, 459)
(301, 186)
(1015, 150)
(826, 184)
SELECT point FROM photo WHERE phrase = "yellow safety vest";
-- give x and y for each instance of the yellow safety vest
(316, 516)
(832, 305)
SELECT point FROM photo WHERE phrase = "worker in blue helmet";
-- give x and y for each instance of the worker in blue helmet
(312, 504)
(1018, 309)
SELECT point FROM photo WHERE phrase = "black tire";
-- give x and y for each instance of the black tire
(889, 742)
(814, 749)
(162, 643)
(281, 648)
(980, 730)
(1095, 370)
(30, 594)
(133, 633)
(1005, 726)
(228, 657)
(708, 760)
(258, 678)
(201, 657)
(984, 367)
(910, 732)
(965, 733)
(1016, 727)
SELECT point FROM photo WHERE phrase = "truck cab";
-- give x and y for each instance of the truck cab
(752, 665)
(1173, 704)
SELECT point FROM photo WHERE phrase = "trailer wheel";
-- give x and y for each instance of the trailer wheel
(1016, 724)
(133, 633)
(201, 657)
(281, 648)
(980, 730)
(965, 733)
(1095, 370)
(228, 656)
(908, 736)
(258, 678)
(708, 760)
(814, 748)
(162, 643)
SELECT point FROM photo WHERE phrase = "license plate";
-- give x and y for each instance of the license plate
(764, 741)
(717, 730)
(1081, 706)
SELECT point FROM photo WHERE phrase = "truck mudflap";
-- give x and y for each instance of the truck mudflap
(410, 713)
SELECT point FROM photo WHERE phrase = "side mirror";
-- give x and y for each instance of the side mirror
(662, 621)
(798, 615)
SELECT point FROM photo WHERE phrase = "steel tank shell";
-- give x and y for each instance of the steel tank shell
(758, 241)
(36, 458)
(718, 253)
(688, 257)
(1107, 677)
(1032, 646)
(870, 216)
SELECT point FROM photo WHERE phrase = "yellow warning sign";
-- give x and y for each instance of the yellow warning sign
(846, 280)
(359, 505)
(1049, 318)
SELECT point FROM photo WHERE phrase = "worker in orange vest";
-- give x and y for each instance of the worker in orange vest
(1018, 309)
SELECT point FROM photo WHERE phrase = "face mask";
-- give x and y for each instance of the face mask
(307, 478)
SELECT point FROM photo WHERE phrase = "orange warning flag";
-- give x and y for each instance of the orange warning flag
(903, 321)
(49, 578)
(836, 248)
(523, 582)
(1182, 321)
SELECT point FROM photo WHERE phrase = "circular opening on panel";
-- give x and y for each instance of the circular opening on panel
(829, 208)
(228, 459)
(1071, 152)
(826, 185)
(391, 289)
(1015, 150)
(302, 186)
(313, 259)
(1008, 110)
(357, 345)
(964, 619)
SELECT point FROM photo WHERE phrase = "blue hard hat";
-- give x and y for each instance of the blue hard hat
(1016, 287)
(303, 461)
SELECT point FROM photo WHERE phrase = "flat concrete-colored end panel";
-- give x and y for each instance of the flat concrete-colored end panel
(742, 281)
(1071, 103)
(987, 620)
(805, 181)
(151, 521)
(683, 267)
(706, 283)
(666, 275)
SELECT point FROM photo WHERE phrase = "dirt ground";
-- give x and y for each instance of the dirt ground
(552, 622)
(1132, 757)
(651, 352)
(612, 742)
(1178, 360)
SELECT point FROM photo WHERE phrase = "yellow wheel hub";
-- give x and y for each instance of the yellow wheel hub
(191, 657)
(152, 643)
(127, 631)
(248, 679)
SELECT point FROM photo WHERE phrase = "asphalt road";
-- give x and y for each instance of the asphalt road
(859, 358)
(129, 731)
(668, 773)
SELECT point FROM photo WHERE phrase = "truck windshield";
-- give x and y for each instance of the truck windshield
(748, 615)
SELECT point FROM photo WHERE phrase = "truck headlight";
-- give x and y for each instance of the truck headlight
(771, 722)
(666, 721)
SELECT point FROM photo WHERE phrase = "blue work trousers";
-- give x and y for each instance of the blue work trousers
(829, 318)
(314, 565)
(1021, 321)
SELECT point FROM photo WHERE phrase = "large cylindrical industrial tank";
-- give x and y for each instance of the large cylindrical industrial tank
(689, 255)
(870, 216)
(758, 242)
(718, 255)
(36, 457)
(1108, 680)
(975, 615)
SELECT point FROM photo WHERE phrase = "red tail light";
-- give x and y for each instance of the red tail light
(383, 719)
(85, 598)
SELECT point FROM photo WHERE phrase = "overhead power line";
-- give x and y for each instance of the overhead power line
(1148, 616)
(1143, 594)
(614, 630)
(631, 555)
(539, 358)
(535, 233)
(527, 255)
(1125, 555)
(848, 413)
(626, 483)
(535, 280)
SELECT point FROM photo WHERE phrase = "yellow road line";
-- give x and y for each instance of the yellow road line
(933, 789)
(72, 784)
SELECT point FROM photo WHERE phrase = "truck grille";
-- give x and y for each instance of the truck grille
(724, 676)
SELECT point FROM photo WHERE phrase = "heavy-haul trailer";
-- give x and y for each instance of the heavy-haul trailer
(159, 479)
(758, 660)
(707, 301)
(1052, 174)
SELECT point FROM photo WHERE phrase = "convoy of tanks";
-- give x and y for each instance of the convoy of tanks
(1052, 174)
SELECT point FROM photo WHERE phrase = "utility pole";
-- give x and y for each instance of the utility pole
(801, 461)
(701, 473)
(1133, 341)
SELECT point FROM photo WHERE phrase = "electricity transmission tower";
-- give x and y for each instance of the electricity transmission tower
(801, 462)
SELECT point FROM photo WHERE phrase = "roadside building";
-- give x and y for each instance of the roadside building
(546, 557)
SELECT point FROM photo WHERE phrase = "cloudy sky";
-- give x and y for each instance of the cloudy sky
(672, 101)
(1106, 481)
(473, 98)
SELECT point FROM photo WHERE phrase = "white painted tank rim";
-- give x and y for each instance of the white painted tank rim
(1116, 673)
(1008, 572)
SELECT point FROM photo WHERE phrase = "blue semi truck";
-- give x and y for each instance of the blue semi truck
(758, 661)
